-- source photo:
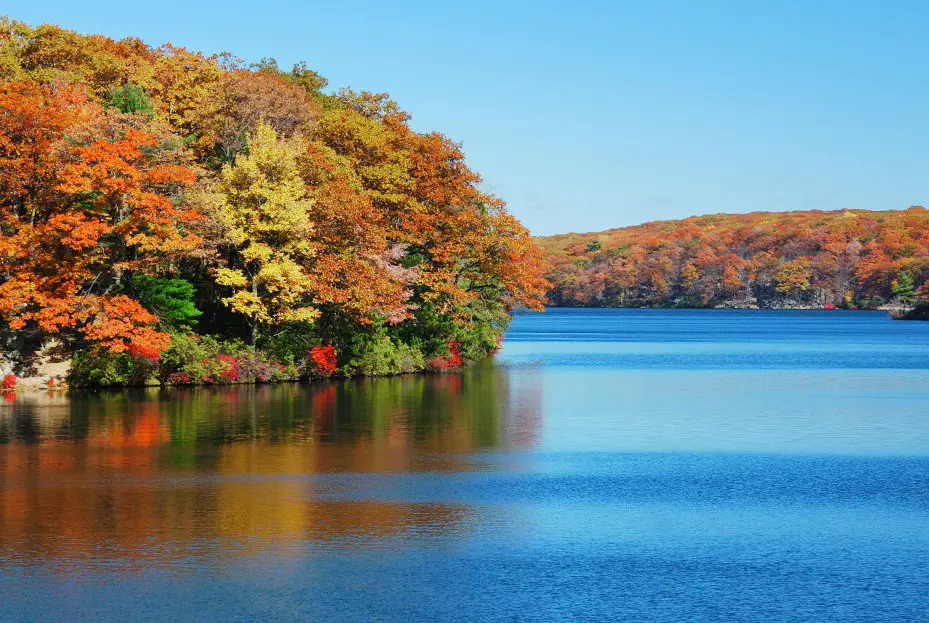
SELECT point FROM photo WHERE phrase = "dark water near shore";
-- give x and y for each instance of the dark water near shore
(606, 465)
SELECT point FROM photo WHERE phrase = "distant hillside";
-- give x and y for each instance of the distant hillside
(852, 258)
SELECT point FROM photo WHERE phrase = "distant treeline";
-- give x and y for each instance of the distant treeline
(852, 259)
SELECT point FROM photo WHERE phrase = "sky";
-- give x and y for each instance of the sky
(589, 115)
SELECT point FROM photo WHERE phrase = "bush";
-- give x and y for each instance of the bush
(476, 328)
(480, 336)
(452, 360)
(190, 359)
(383, 356)
(289, 345)
(253, 366)
(96, 366)
(323, 360)
(438, 343)
(193, 359)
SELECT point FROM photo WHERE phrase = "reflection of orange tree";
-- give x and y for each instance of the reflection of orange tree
(259, 500)
(462, 413)
(106, 491)
(454, 413)
(323, 404)
(142, 430)
(80, 510)
(275, 503)
(34, 416)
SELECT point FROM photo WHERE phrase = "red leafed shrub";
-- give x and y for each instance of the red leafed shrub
(9, 382)
(452, 360)
(51, 381)
(179, 378)
(252, 368)
(323, 359)
(230, 373)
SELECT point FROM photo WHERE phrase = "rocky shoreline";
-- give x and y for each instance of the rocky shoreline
(47, 369)
(920, 312)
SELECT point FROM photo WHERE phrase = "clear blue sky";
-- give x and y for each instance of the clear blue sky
(588, 115)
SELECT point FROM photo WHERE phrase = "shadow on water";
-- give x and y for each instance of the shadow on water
(108, 474)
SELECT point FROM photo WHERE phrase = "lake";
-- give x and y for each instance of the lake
(664, 465)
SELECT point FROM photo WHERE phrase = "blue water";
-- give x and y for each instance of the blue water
(635, 465)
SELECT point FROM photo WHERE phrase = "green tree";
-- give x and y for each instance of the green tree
(131, 98)
(904, 289)
(169, 299)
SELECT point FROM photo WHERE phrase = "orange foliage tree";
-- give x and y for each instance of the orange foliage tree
(106, 209)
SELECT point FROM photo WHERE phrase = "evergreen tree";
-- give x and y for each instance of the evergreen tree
(904, 290)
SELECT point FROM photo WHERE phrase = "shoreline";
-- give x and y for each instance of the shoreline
(728, 307)
(39, 384)
(52, 376)
(58, 370)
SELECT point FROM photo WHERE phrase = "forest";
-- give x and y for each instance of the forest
(172, 217)
(806, 259)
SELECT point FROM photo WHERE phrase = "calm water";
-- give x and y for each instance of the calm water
(607, 465)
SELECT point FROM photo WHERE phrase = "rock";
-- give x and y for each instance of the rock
(34, 371)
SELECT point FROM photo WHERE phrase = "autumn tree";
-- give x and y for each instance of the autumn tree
(33, 120)
(356, 267)
(461, 241)
(245, 98)
(260, 202)
(473, 247)
(108, 209)
(182, 84)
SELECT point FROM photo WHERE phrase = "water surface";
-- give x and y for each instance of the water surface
(606, 465)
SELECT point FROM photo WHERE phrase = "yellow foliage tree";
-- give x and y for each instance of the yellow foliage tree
(793, 276)
(262, 207)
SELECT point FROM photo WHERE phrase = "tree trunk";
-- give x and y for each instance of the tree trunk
(255, 321)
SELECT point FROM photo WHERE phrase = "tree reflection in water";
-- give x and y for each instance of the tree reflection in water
(160, 475)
